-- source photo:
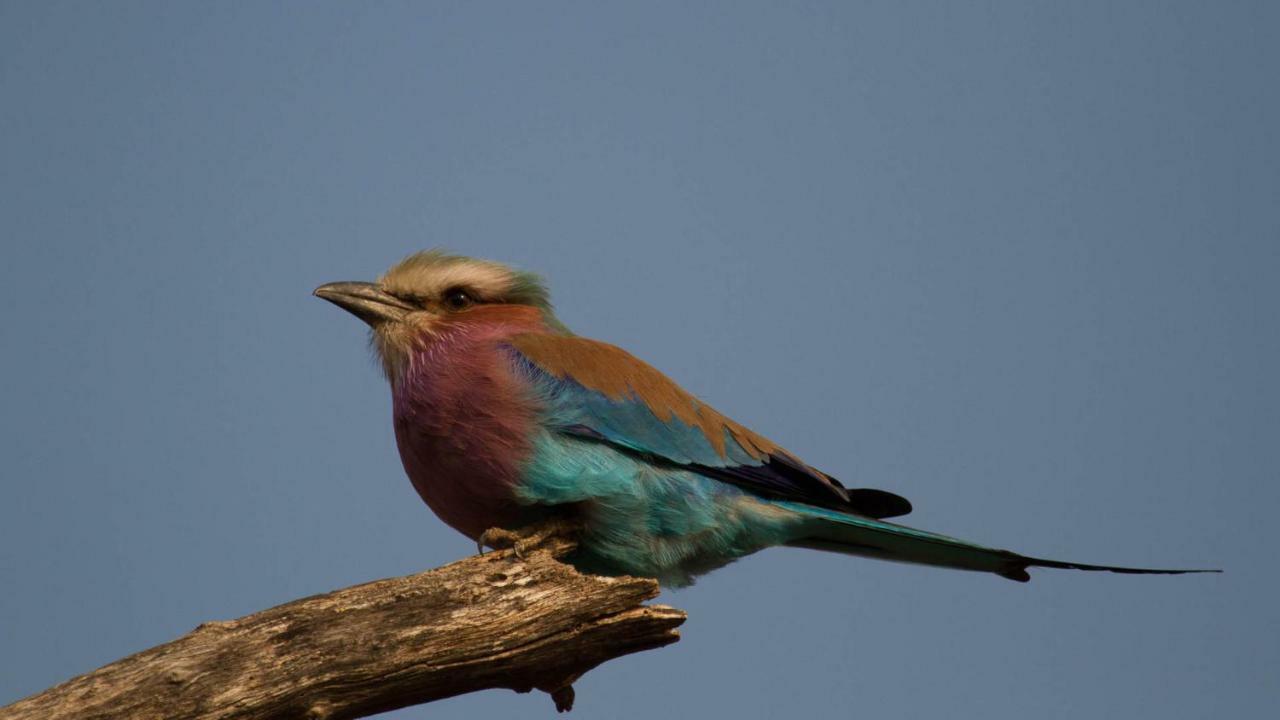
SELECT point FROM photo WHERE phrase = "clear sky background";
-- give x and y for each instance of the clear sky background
(1016, 261)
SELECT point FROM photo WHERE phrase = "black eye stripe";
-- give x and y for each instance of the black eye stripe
(409, 297)
(457, 298)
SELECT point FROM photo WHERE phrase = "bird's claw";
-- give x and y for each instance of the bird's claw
(500, 539)
(525, 540)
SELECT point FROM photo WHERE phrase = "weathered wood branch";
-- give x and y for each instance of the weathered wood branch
(506, 619)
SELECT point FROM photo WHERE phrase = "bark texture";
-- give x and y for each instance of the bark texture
(515, 618)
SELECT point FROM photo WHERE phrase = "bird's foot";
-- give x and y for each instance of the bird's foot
(518, 542)
(527, 539)
(500, 539)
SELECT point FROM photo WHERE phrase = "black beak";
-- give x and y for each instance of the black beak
(366, 301)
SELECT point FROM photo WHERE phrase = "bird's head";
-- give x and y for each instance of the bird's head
(428, 294)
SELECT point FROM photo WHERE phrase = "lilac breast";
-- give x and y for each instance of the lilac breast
(463, 423)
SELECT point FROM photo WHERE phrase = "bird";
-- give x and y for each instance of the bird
(504, 418)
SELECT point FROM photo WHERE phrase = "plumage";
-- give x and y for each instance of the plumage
(503, 417)
(600, 392)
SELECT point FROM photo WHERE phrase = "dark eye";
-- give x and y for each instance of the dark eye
(457, 299)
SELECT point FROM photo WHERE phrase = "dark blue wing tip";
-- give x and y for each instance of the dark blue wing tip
(878, 504)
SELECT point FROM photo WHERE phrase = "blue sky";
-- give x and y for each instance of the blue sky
(1015, 261)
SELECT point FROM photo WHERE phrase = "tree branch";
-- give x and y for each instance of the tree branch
(515, 618)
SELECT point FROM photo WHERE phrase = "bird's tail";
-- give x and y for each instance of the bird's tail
(854, 535)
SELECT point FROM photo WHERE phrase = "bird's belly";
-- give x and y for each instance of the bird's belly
(463, 479)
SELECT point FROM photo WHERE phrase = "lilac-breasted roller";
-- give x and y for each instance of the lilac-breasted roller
(504, 417)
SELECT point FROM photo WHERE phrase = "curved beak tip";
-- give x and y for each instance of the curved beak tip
(367, 301)
(326, 291)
